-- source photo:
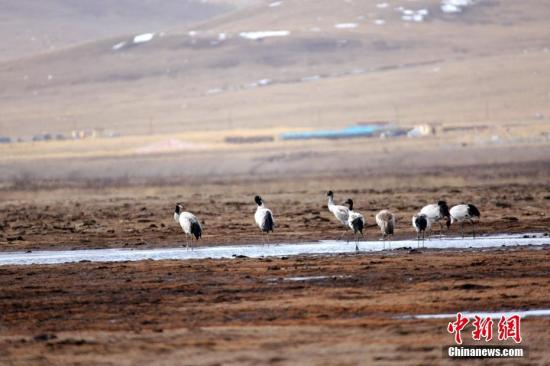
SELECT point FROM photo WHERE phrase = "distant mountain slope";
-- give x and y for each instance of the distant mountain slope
(295, 63)
(35, 26)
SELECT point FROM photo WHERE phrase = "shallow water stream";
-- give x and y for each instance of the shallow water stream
(260, 250)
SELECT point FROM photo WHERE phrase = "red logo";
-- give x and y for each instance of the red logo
(483, 328)
(509, 328)
(457, 326)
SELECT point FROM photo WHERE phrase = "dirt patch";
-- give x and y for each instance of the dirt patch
(74, 215)
(243, 311)
(246, 311)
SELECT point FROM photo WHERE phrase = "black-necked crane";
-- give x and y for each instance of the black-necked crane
(437, 212)
(340, 212)
(189, 223)
(465, 212)
(263, 217)
(356, 222)
(386, 222)
(420, 223)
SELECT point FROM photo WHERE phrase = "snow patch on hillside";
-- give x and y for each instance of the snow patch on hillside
(346, 25)
(119, 46)
(410, 15)
(142, 38)
(258, 35)
(454, 6)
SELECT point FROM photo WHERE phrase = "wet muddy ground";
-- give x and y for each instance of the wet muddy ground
(253, 311)
(247, 311)
(141, 216)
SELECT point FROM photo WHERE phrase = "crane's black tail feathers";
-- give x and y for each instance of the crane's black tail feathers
(196, 230)
(268, 223)
(444, 209)
(357, 225)
(421, 223)
(473, 211)
(389, 228)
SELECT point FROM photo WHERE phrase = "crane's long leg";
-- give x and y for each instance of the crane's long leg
(264, 239)
(347, 234)
(389, 242)
(423, 237)
(462, 228)
(342, 235)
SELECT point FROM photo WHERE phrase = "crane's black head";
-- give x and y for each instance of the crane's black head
(349, 202)
(258, 200)
(330, 194)
(179, 206)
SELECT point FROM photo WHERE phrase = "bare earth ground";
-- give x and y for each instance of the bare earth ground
(483, 73)
(512, 197)
(243, 311)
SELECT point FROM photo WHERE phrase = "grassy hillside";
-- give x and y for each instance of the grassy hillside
(342, 61)
(29, 27)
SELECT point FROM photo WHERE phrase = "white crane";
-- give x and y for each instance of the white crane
(465, 212)
(263, 217)
(437, 212)
(386, 222)
(189, 223)
(420, 223)
(356, 222)
(340, 212)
